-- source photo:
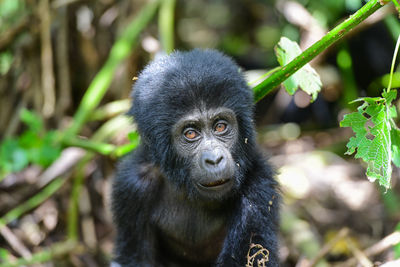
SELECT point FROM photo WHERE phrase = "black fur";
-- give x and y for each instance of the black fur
(160, 218)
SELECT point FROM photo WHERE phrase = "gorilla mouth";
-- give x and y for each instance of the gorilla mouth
(215, 183)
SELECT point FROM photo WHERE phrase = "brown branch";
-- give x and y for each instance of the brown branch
(382, 245)
(48, 80)
(328, 247)
(64, 78)
(14, 242)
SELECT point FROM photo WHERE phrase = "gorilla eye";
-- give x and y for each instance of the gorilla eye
(191, 134)
(220, 127)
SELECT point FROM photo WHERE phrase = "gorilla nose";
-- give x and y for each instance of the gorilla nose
(212, 160)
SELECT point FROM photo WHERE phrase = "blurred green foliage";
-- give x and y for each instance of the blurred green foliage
(34, 145)
(10, 12)
(397, 247)
(6, 59)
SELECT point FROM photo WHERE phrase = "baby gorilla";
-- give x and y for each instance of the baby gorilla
(197, 191)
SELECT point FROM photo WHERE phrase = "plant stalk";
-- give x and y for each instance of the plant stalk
(120, 51)
(331, 37)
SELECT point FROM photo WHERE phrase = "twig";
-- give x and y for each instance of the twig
(110, 110)
(48, 80)
(87, 222)
(15, 243)
(69, 157)
(384, 244)
(298, 15)
(33, 202)
(64, 78)
(359, 255)
(328, 246)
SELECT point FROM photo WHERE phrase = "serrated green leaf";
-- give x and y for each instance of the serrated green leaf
(390, 96)
(356, 121)
(372, 141)
(306, 78)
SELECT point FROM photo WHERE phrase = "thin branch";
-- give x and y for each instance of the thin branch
(48, 80)
(328, 247)
(384, 244)
(33, 202)
(331, 37)
(15, 243)
(396, 50)
(166, 24)
(63, 77)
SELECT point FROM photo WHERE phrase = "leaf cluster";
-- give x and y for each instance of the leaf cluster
(34, 145)
(377, 138)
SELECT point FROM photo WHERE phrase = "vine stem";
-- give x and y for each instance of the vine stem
(396, 50)
(331, 37)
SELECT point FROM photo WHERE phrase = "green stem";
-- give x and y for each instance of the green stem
(396, 4)
(120, 50)
(263, 76)
(396, 50)
(101, 148)
(331, 37)
(110, 110)
(73, 207)
(56, 250)
(33, 201)
(166, 24)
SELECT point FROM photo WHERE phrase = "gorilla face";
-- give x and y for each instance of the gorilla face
(205, 139)
(194, 114)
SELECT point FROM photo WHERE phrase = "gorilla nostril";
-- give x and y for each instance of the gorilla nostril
(214, 161)
(219, 160)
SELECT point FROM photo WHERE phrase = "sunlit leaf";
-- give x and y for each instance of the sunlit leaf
(376, 141)
(306, 78)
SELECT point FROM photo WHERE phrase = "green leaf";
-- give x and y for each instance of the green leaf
(31, 119)
(306, 78)
(373, 137)
(390, 96)
(48, 151)
(12, 157)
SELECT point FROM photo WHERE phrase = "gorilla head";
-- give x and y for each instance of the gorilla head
(194, 113)
(197, 191)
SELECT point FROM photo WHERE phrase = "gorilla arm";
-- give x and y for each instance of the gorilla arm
(134, 192)
(255, 221)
